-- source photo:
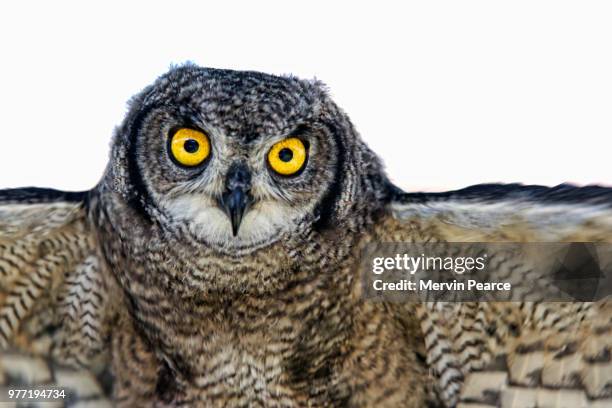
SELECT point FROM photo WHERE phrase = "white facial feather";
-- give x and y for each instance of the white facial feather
(263, 223)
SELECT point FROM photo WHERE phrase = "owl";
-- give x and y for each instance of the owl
(215, 264)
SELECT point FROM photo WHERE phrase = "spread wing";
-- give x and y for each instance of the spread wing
(511, 354)
(55, 311)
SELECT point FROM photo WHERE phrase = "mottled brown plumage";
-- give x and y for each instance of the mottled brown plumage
(147, 278)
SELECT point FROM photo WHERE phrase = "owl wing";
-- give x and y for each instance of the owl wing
(512, 354)
(55, 311)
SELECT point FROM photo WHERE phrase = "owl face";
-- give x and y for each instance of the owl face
(237, 160)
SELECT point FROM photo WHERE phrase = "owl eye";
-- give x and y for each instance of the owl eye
(288, 156)
(189, 147)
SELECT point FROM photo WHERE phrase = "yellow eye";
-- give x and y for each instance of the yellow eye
(288, 156)
(189, 147)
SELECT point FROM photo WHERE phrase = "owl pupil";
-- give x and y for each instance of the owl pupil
(285, 154)
(191, 146)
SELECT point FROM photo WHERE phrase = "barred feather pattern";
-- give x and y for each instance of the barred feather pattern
(81, 302)
(520, 354)
(53, 298)
(513, 354)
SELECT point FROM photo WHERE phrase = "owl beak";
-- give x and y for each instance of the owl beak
(236, 199)
(235, 203)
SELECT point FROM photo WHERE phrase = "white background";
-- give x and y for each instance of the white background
(449, 93)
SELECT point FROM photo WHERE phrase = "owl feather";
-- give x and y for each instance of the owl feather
(215, 264)
(537, 353)
(53, 297)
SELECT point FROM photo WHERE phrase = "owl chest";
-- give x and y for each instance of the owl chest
(245, 368)
(236, 370)
(264, 360)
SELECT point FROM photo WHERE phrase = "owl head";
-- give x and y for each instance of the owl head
(241, 160)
